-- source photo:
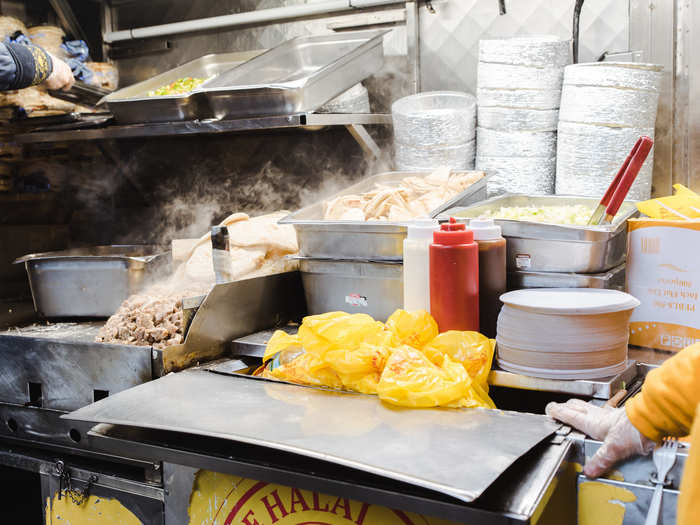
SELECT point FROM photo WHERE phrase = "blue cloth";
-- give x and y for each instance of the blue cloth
(18, 38)
(80, 70)
(77, 50)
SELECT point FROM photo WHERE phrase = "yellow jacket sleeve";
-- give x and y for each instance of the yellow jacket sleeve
(669, 398)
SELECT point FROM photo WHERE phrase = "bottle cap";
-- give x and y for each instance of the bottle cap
(485, 229)
(422, 228)
(453, 233)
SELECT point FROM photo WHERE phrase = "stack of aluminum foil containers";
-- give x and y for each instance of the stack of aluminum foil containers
(518, 94)
(434, 129)
(605, 108)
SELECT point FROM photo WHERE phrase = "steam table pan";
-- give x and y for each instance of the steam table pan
(132, 104)
(298, 76)
(541, 247)
(369, 240)
(89, 282)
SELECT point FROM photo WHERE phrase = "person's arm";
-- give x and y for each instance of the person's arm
(22, 66)
(670, 395)
(665, 407)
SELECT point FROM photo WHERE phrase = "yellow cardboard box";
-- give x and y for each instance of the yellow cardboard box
(663, 272)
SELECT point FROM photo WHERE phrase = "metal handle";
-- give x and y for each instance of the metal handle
(655, 506)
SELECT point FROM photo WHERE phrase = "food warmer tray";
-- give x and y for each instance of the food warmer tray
(297, 76)
(541, 247)
(132, 104)
(369, 240)
(90, 282)
(613, 279)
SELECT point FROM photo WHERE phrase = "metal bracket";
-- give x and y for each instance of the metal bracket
(364, 139)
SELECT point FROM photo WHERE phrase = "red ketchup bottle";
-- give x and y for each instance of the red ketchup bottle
(454, 278)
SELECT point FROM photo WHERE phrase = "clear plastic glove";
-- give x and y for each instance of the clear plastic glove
(607, 424)
(61, 77)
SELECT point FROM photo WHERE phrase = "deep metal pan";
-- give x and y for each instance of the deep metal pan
(540, 247)
(297, 76)
(374, 240)
(89, 282)
(132, 103)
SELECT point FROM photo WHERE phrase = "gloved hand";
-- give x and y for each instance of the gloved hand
(61, 77)
(610, 425)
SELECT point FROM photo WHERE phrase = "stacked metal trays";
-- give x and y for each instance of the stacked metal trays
(357, 266)
(297, 76)
(541, 247)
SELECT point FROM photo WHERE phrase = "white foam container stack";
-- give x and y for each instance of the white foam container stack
(605, 108)
(518, 96)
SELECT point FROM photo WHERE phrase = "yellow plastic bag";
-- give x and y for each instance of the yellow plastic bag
(365, 359)
(684, 205)
(280, 342)
(365, 383)
(319, 334)
(471, 349)
(410, 379)
(414, 328)
(307, 370)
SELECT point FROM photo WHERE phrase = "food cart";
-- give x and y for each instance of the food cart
(98, 427)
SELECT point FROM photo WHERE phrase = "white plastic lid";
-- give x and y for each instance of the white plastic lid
(422, 228)
(485, 229)
(570, 301)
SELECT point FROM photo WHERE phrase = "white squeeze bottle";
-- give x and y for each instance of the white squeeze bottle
(416, 264)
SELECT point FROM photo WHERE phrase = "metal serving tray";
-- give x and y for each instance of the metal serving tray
(374, 288)
(376, 240)
(132, 103)
(297, 76)
(89, 282)
(612, 279)
(541, 247)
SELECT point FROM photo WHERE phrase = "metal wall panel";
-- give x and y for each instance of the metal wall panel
(449, 38)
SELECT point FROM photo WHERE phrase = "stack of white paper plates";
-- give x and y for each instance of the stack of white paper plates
(564, 333)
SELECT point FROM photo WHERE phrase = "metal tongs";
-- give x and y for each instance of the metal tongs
(621, 184)
(82, 93)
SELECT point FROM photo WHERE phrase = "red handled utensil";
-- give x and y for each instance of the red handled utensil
(621, 184)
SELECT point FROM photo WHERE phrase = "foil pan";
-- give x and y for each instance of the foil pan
(518, 98)
(609, 106)
(512, 119)
(627, 75)
(354, 100)
(518, 174)
(506, 76)
(408, 157)
(494, 143)
(536, 50)
(440, 118)
(589, 156)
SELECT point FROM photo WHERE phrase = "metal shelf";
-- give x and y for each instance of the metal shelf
(305, 121)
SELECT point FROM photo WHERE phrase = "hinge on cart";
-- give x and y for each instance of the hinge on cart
(77, 496)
